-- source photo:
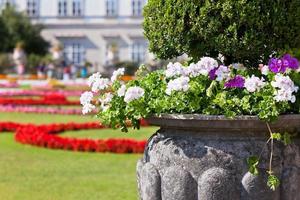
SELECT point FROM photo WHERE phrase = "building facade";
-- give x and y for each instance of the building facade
(102, 32)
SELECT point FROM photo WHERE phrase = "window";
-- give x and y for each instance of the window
(137, 7)
(5, 3)
(138, 51)
(77, 8)
(111, 8)
(62, 8)
(32, 8)
(74, 53)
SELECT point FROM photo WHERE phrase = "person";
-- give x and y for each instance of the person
(73, 71)
(66, 73)
(83, 72)
(41, 70)
(50, 70)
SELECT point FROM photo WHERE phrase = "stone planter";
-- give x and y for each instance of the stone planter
(200, 157)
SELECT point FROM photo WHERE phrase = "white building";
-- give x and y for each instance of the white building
(99, 31)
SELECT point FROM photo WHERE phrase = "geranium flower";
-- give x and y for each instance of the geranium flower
(133, 93)
(236, 82)
(179, 84)
(254, 83)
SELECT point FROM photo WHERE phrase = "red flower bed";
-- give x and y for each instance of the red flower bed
(44, 100)
(47, 136)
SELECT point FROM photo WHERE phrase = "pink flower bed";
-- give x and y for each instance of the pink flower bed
(37, 109)
(39, 93)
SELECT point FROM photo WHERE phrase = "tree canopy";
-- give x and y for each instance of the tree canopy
(16, 27)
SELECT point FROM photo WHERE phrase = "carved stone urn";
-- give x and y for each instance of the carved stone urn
(200, 157)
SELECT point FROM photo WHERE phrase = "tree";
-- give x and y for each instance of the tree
(246, 31)
(16, 27)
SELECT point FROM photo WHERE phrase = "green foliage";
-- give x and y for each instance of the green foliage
(34, 60)
(273, 182)
(284, 138)
(243, 31)
(16, 27)
(253, 162)
(6, 62)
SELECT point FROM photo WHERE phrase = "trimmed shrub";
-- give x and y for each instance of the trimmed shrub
(244, 31)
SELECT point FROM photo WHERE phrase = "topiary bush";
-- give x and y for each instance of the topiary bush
(246, 31)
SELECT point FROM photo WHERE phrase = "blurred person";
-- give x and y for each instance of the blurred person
(73, 71)
(66, 73)
(19, 58)
(50, 70)
(41, 69)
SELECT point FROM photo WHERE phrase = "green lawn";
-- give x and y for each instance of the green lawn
(32, 173)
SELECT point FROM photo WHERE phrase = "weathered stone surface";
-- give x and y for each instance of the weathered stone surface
(290, 187)
(255, 188)
(149, 182)
(217, 184)
(178, 184)
(177, 161)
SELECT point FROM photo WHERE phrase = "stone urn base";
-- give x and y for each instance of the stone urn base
(198, 157)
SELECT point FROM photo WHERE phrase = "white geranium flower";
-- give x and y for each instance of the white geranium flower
(133, 93)
(222, 73)
(100, 84)
(174, 69)
(86, 98)
(179, 84)
(87, 108)
(105, 101)
(193, 70)
(285, 88)
(206, 64)
(254, 83)
(108, 98)
(265, 70)
(92, 79)
(117, 73)
(121, 91)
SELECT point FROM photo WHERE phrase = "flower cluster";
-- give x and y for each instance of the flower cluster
(179, 84)
(285, 88)
(204, 87)
(133, 93)
(99, 84)
(236, 82)
(47, 136)
(280, 65)
(254, 84)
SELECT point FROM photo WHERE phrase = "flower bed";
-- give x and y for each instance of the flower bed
(40, 109)
(38, 93)
(45, 100)
(47, 136)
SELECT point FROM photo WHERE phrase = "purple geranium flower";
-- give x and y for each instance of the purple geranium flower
(294, 63)
(212, 74)
(236, 82)
(275, 65)
(280, 65)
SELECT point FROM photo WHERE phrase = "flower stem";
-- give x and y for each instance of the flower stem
(272, 148)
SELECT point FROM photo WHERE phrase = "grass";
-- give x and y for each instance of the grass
(41, 174)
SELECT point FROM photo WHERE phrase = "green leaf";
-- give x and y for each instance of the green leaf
(210, 90)
(287, 139)
(276, 136)
(253, 162)
(273, 181)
